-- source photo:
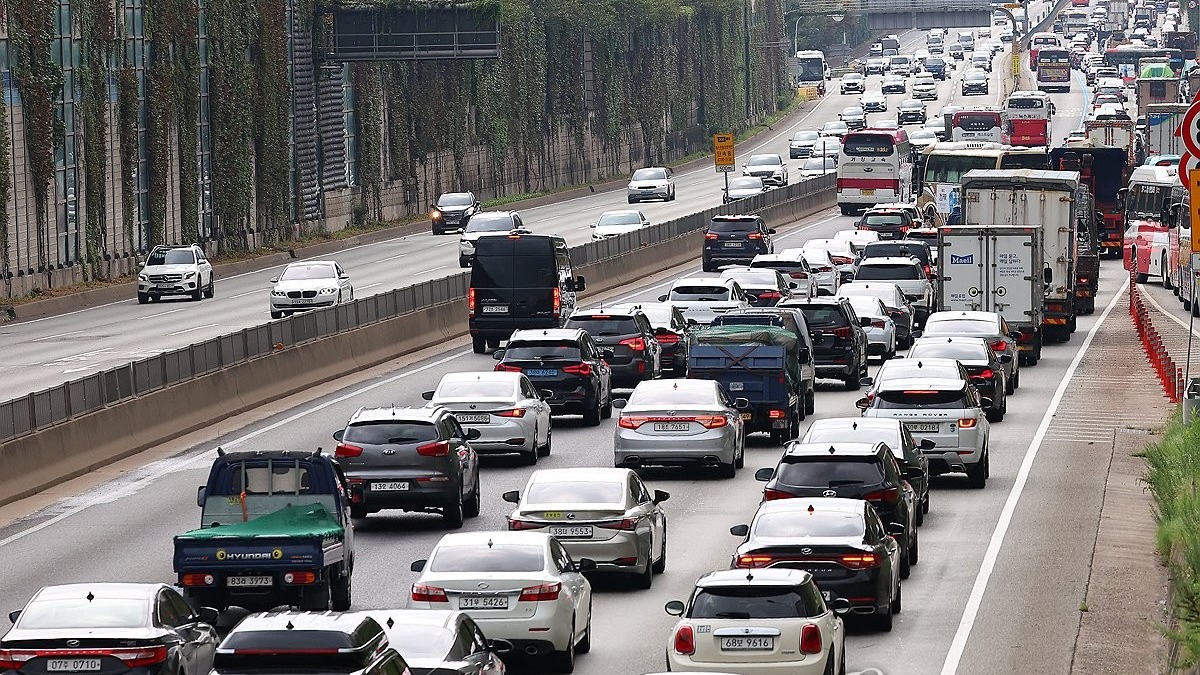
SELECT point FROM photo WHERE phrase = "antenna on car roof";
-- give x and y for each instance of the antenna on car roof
(220, 451)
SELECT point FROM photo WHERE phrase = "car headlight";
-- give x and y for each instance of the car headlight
(142, 277)
(328, 291)
(279, 294)
(189, 275)
(435, 214)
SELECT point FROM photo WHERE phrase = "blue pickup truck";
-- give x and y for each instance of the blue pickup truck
(275, 530)
(759, 364)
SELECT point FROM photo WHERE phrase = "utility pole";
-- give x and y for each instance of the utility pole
(746, 7)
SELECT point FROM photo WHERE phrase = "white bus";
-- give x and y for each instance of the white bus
(812, 67)
(874, 167)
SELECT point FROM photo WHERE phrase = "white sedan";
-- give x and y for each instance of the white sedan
(518, 586)
(509, 412)
(821, 268)
(309, 285)
(881, 334)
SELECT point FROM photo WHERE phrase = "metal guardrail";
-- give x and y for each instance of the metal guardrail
(42, 409)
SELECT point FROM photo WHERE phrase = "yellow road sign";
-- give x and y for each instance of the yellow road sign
(1016, 61)
(1193, 185)
(723, 152)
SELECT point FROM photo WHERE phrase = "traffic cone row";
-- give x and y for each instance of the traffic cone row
(1169, 374)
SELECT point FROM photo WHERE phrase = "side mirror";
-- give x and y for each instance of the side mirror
(200, 496)
(866, 381)
(839, 606)
(337, 435)
(770, 230)
(793, 285)
(917, 332)
(802, 354)
(512, 496)
(690, 322)
(208, 615)
(675, 608)
(896, 529)
(863, 403)
(343, 275)
(661, 496)
(593, 226)
(741, 403)
(14, 615)
(498, 354)
(473, 434)
(662, 298)
(1005, 358)
(913, 473)
(499, 646)
(580, 284)
(740, 530)
(546, 394)
(585, 565)
(864, 321)
(750, 297)
(427, 395)
(417, 566)
(620, 403)
(274, 280)
(927, 444)
(764, 474)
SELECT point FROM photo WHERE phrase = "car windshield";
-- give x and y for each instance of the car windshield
(475, 389)
(764, 160)
(175, 256)
(533, 351)
(417, 641)
(649, 174)
(701, 293)
(830, 471)
(805, 136)
(921, 399)
(836, 524)
(487, 222)
(604, 324)
(749, 602)
(889, 271)
(747, 183)
(672, 396)
(86, 611)
(959, 327)
(824, 317)
(575, 492)
(629, 218)
(303, 271)
(489, 557)
(455, 199)
(389, 433)
(943, 349)
(754, 279)
(817, 164)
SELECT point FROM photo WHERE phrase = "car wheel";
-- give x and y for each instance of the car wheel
(585, 643)
(810, 402)
(739, 459)
(464, 262)
(632, 200)
(471, 510)
(564, 661)
(531, 457)
(276, 315)
(661, 565)
(198, 294)
(727, 470)
(905, 564)
(897, 600)
(144, 298)
(606, 411)
(977, 474)
(914, 554)
(920, 513)
(852, 381)
(452, 515)
(995, 414)
(358, 512)
(478, 344)
(211, 290)
(708, 267)
(544, 451)
(886, 620)
(644, 579)
(1010, 386)
(592, 417)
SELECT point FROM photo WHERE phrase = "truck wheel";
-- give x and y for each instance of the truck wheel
(1166, 274)
(315, 598)
(341, 593)
(358, 512)
(1072, 325)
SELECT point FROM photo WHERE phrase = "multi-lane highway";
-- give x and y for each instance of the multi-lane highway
(45, 352)
(971, 605)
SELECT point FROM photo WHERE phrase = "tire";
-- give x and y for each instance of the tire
(452, 515)
(852, 382)
(994, 415)
(464, 262)
(478, 344)
(845, 210)
(661, 565)
(905, 565)
(472, 507)
(315, 598)
(531, 458)
(977, 474)
(885, 621)
(810, 403)
(606, 410)
(544, 451)
(493, 343)
(643, 580)
(211, 290)
(708, 267)
(727, 470)
(920, 518)
(144, 298)
(592, 417)
(358, 512)
(276, 315)
(564, 661)
(198, 294)
(914, 554)
(925, 504)
(585, 643)
(1010, 385)
(739, 460)
(342, 593)
(632, 200)
(1142, 278)
(897, 601)
(1166, 275)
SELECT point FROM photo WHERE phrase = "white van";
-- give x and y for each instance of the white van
(967, 39)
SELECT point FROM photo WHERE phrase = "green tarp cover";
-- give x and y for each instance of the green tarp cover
(306, 520)
(736, 334)
(1159, 70)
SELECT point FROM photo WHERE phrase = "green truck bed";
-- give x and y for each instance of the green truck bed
(306, 520)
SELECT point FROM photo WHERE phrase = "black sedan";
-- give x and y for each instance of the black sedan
(441, 642)
(109, 629)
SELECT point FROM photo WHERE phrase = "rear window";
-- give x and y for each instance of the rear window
(756, 279)
(891, 250)
(883, 219)
(575, 492)
(840, 524)
(390, 433)
(749, 602)
(855, 434)
(81, 613)
(709, 293)
(893, 400)
(488, 558)
(868, 145)
(476, 389)
(416, 641)
(566, 351)
(604, 325)
(733, 226)
(824, 317)
(830, 471)
(885, 272)
(673, 396)
(779, 266)
(961, 351)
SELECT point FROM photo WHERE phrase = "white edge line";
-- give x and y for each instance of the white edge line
(1167, 313)
(188, 330)
(959, 644)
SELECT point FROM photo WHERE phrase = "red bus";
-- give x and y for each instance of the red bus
(1036, 43)
(1054, 69)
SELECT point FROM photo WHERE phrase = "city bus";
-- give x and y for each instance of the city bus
(875, 166)
(1125, 58)
(984, 124)
(1181, 276)
(1054, 69)
(1036, 43)
(1149, 197)
(941, 167)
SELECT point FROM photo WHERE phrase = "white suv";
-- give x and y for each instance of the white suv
(175, 270)
(906, 272)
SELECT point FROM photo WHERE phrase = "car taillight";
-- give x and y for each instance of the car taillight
(710, 235)
(777, 414)
(799, 275)
(747, 560)
(540, 593)
(515, 412)
(878, 323)
(507, 368)
(622, 524)
(966, 423)
(711, 421)
(667, 338)
(557, 302)
(685, 640)
(439, 449)
(347, 450)
(985, 374)
(754, 235)
(518, 524)
(928, 270)
(195, 579)
(133, 657)
(630, 422)
(889, 495)
(471, 302)
(823, 268)
(772, 495)
(810, 639)
(770, 295)
(842, 260)
(843, 332)
(637, 344)
(860, 561)
(840, 183)
(584, 369)
(1000, 346)
(425, 593)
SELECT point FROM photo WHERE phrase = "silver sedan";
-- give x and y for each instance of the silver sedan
(605, 515)
(680, 423)
(509, 412)
(881, 334)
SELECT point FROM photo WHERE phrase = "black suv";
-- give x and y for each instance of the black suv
(519, 281)
(851, 470)
(452, 210)
(637, 356)
(566, 363)
(887, 223)
(282, 643)
(839, 342)
(671, 329)
(732, 240)
(412, 459)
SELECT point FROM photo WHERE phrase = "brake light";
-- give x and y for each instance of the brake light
(891, 495)
(770, 295)
(843, 332)
(966, 423)
(772, 495)
(928, 270)
(706, 421)
(860, 561)
(710, 235)
(667, 338)
(799, 275)
(584, 369)
(630, 422)
(439, 449)
(518, 524)
(347, 450)
(1000, 346)
(300, 578)
(540, 593)
(637, 344)
(754, 235)
(810, 639)
(425, 593)
(878, 323)
(622, 524)
(471, 302)
(507, 368)
(557, 302)
(777, 414)
(14, 659)
(195, 580)
(747, 560)
(986, 374)
(515, 412)
(823, 268)
(840, 183)
(841, 260)
(685, 640)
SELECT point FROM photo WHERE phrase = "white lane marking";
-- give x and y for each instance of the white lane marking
(431, 269)
(444, 243)
(1169, 315)
(80, 370)
(971, 612)
(57, 335)
(363, 288)
(174, 466)
(394, 257)
(152, 316)
(242, 295)
(188, 330)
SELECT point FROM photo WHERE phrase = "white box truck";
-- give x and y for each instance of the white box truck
(1041, 199)
(1161, 121)
(995, 269)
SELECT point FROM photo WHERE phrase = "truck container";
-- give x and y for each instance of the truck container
(1105, 171)
(1162, 119)
(1113, 134)
(1156, 84)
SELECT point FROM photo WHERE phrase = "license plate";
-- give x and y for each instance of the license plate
(737, 386)
(248, 582)
(869, 192)
(748, 643)
(733, 244)
(930, 427)
(164, 286)
(541, 372)
(391, 486)
(495, 309)
(576, 531)
(747, 416)
(672, 426)
(303, 301)
(473, 419)
(483, 602)
(72, 665)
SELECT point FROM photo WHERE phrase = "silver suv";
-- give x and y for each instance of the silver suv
(906, 272)
(175, 270)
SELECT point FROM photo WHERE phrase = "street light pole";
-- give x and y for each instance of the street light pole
(746, 19)
(796, 36)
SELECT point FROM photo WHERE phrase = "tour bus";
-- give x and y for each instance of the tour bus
(1182, 276)
(875, 166)
(1036, 43)
(982, 124)
(1151, 193)
(813, 70)
(1028, 118)
(1126, 58)
(1054, 69)
(941, 167)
